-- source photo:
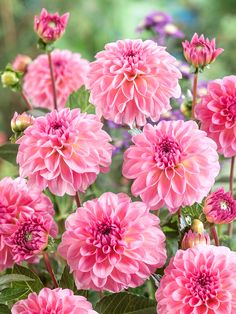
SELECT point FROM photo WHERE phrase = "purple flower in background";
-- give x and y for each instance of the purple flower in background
(202, 88)
(172, 115)
(184, 69)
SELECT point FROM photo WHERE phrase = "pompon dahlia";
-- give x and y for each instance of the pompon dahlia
(56, 301)
(201, 280)
(70, 72)
(217, 113)
(18, 203)
(112, 243)
(132, 80)
(220, 207)
(64, 151)
(173, 163)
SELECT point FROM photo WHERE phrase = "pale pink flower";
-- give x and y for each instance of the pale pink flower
(64, 151)
(112, 243)
(201, 280)
(21, 62)
(70, 72)
(18, 203)
(20, 122)
(200, 52)
(56, 301)
(217, 113)
(50, 27)
(132, 80)
(220, 207)
(192, 239)
(173, 163)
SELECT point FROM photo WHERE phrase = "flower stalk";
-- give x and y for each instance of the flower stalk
(53, 80)
(49, 269)
(26, 100)
(195, 80)
(214, 235)
(231, 188)
(77, 200)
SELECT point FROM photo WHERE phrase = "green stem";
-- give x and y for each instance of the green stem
(194, 93)
(53, 81)
(214, 235)
(26, 100)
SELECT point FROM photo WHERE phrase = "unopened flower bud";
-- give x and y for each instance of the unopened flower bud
(192, 239)
(20, 63)
(197, 226)
(9, 78)
(20, 122)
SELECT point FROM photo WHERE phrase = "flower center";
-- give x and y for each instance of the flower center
(224, 205)
(168, 153)
(132, 57)
(199, 46)
(204, 285)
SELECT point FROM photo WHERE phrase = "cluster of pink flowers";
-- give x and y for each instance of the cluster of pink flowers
(26, 222)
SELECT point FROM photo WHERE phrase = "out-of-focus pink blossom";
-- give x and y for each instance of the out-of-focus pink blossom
(132, 80)
(200, 52)
(173, 163)
(217, 113)
(50, 27)
(21, 62)
(112, 243)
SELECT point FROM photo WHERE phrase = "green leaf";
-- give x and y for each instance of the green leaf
(67, 280)
(35, 285)
(38, 112)
(10, 294)
(125, 303)
(13, 278)
(80, 99)
(8, 152)
(4, 309)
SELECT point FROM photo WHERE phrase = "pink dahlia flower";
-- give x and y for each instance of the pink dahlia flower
(201, 280)
(57, 301)
(21, 62)
(64, 151)
(220, 207)
(70, 73)
(173, 163)
(200, 52)
(132, 80)
(18, 203)
(112, 243)
(217, 113)
(50, 27)
(192, 239)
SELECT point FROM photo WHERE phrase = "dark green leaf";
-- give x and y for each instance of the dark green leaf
(80, 99)
(13, 278)
(8, 152)
(67, 280)
(125, 303)
(10, 294)
(4, 309)
(34, 285)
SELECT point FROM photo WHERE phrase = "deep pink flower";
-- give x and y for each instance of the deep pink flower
(217, 113)
(30, 236)
(201, 280)
(220, 207)
(173, 163)
(50, 27)
(132, 80)
(70, 72)
(192, 239)
(112, 243)
(200, 52)
(21, 62)
(64, 151)
(18, 203)
(56, 301)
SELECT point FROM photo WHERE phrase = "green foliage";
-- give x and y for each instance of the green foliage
(38, 112)
(4, 309)
(125, 303)
(8, 152)
(10, 278)
(34, 284)
(12, 294)
(67, 280)
(80, 99)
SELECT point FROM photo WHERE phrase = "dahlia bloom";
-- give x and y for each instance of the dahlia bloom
(70, 72)
(50, 27)
(200, 52)
(56, 301)
(18, 204)
(173, 163)
(192, 239)
(112, 243)
(200, 280)
(21, 62)
(217, 113)
(132, 80)
(20, 122)
(64, 151)
(220, 207)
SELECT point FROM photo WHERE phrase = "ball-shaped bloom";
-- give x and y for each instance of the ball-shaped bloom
(70, 72)
(192, 239)
(220, 207)
(112, 243)
(200, 280)
(173, 163)
(64, 151)
(19, 203)
(56, 301)
(200, 52)
(217, 113)
(21, 62)
(132, 80)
